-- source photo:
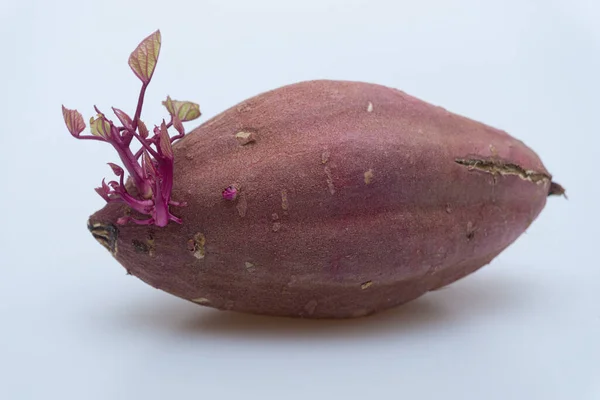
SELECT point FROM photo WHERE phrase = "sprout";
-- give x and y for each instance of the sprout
(151, 167)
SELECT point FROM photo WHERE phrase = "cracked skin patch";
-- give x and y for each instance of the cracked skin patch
(496, 167)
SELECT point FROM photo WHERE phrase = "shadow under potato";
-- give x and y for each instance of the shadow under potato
(471, 298)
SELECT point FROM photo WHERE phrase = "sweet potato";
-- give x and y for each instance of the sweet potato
(342, 199)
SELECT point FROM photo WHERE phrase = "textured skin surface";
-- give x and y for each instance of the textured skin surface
(351, 201)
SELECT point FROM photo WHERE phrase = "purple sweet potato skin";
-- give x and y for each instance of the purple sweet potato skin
(351, 201)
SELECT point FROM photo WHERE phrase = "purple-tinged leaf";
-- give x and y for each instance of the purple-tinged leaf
(153, 174)
(102, 194)
(165, 142)
(148, 165)
(143, 131)
(124, 118)
(104, 191)
(100, 113)
(116, 169)
(185, 110)
(144, 58)
(100, 127)
(74, 121)
(178, 125)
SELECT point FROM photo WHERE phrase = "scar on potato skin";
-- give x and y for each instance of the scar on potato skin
(242, 205)
(369, 176)
(140, 247)
(329, 180)
(245, 137)
(366, 285)
(201, 300)
(150, 243)
(370, 107)
(470, 231)
(310, 307)
(284, 200)
(196, 245)
(496, 167)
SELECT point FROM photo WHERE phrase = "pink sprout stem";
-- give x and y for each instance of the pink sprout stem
(151, 167)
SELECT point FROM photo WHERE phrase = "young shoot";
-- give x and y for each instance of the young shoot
(151, 167)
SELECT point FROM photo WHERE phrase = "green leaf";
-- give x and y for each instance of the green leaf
(144, 58)
(185, 110)
(164, 141)
(100, 127)
(74, 121)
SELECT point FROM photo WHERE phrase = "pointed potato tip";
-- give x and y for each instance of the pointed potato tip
(557, 190)
(106, 234)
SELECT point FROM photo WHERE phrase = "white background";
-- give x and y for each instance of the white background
(73, 326)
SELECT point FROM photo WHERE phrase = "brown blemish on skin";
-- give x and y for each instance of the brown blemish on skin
(242, 206)
(325, 157)
(366, 285)
(369, 176)
(470, 231)
(245, 137)
(196, 245)
(106, 235)
(370, 107)
(150, 243)
(284, 200)
(310, 307)
(201, 300)
(495, 167)
(140, 247)
(329, 180)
